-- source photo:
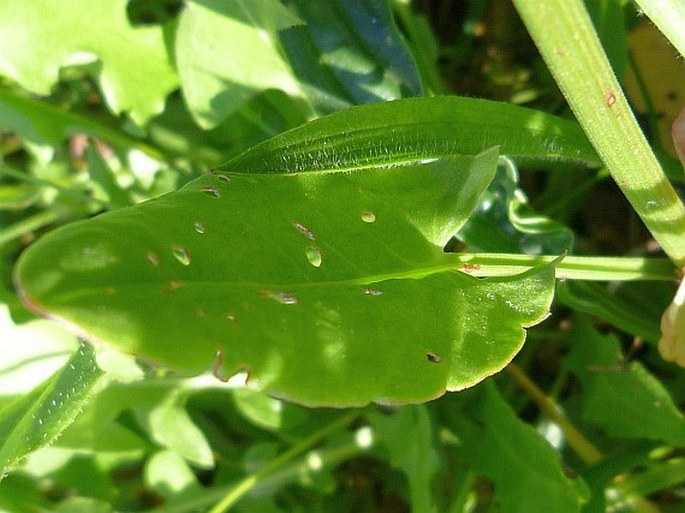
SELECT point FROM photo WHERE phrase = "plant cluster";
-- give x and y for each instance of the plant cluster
(284, 255)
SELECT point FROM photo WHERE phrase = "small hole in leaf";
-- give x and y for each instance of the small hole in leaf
(181, 255)
(432, 357)
(199, 227)
(211, 191)
(224, 178)
(314, 256)
(368, 216)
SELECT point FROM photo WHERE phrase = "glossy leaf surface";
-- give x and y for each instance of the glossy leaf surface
(328, 288)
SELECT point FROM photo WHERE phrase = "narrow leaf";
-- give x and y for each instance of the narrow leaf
(418, 128)
(36, 419)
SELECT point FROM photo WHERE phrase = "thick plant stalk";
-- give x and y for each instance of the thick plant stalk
(669, 16)
(564, 33)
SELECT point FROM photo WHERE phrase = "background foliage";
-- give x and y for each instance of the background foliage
(104, 106)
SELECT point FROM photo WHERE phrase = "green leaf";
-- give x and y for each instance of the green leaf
(17, 196)
(169, 475)
(418, 128)
(40, 37)
(36, 419)
(41, 123)
(625, 400)
(170, 425)
(226, 52)
(633, 308)
(526, 471)
(349, 53)
(102, 175)
(293, 277)
(408, 436)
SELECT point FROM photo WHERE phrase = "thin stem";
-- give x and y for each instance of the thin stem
(563, 31)
(24, 177)
(27, 225)
(581, 445)
(250, 482)
(570, 267)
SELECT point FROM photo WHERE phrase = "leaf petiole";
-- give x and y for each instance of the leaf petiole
(570, 267)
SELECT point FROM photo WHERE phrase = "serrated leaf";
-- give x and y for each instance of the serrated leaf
(36, 419)
(41, 36)
(625, 400)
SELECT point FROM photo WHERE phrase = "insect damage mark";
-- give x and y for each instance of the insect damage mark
(433, 357)
(610, 98)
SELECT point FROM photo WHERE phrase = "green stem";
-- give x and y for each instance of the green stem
(250, 482)
(581, 445)
(669, 16)
(27, 225)
(570, 267)
(78, 196)
(564, 33)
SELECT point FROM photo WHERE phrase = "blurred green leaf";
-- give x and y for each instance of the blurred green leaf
(246, 33)
(41, 123)
(635, 308)
(607, 16)
(527, 472)
(168, 474)
(30, 352)
(260, 409)
(36, 419)
(16, 196)
(624, 399)
(408, 436)
(170, 426)
(101, 174)
(40, 37)
(349, 53)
